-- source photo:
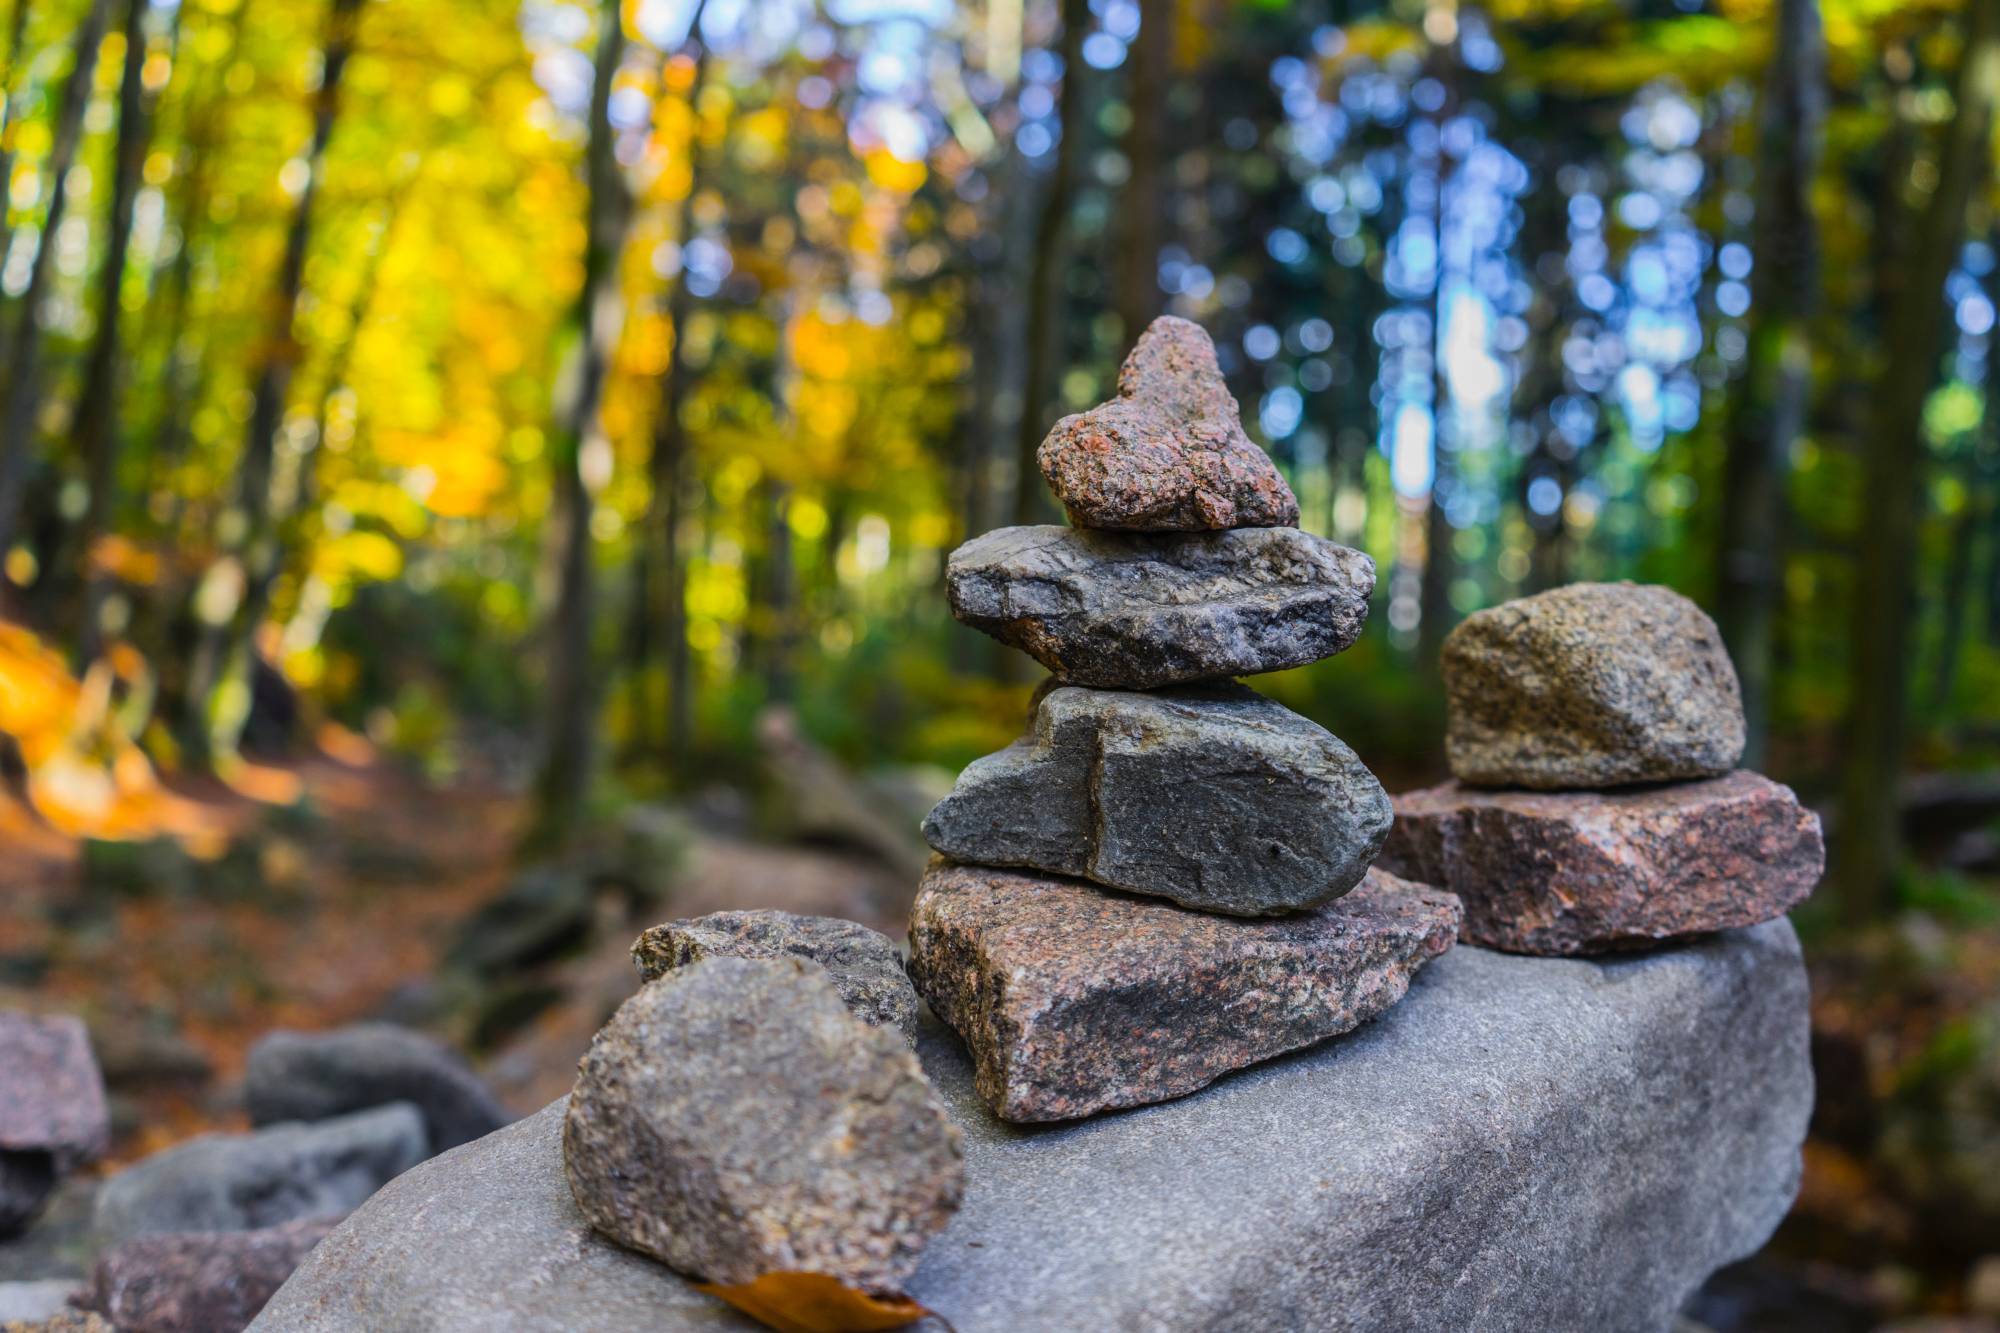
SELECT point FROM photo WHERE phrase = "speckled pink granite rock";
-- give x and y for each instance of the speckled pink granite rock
(1073, 999)
(1168, 454)
(1589, 872)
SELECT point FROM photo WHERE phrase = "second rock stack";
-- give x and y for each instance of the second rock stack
(1147, 771)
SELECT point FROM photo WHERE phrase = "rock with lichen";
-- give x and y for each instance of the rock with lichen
(1216, 798)
(1135, 611)
(863, 963)
(734, 1118)
(1168, 453)
(1590, 685)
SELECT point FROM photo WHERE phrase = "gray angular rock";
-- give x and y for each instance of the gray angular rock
(864, 964)
(733, 1119)
(1125, 610)
(33, 1302)
(1073, 1000)
(52, 1110)
(244, 1182)
(199, 1282)
(1168, 453)
(1520, 1144)
(1217, 798)
(1592, 685)
(316, 1075)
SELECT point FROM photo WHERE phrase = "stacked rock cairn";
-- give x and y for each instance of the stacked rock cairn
(1168, 876)
(1593, 733)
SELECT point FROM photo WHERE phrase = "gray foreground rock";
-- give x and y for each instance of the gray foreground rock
(1134, 611)
(315, 1075)
(243, 1182)
(1591, 685)
(1219, 799)
(1522, 1143)
(734, 1119)
(864, 964)
(52, 1110)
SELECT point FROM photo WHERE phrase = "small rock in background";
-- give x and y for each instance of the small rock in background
(1586, 872)
(1169, 452)
(199, 1282)
(812, 794)
(864, 963)
(318, 1075)
(31, 1302)
(244, 1182)
(52, 1110)
(1219, 799)
(69, 1321)
(1073, 1000)
(1122, 610)
(1592, 685)
(733, 1119)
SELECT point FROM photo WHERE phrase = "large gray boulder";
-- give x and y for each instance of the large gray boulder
(1218, 798)
(244, 1182)
(1522, 1143)
(1137, 610)
(316, 1075)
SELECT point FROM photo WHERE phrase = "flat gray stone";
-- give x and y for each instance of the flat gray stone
(1135, 611)
(33, 1302)
(1523, 1143)
(244, 1182)
(1218, 799)
(864, 964)
(316, 1075)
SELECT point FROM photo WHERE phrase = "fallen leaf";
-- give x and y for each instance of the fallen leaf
(816, 1303)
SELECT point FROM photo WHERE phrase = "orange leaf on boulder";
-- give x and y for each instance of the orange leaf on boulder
(816, 1303)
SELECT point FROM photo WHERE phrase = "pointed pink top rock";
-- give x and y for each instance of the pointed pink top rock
(1168, 454)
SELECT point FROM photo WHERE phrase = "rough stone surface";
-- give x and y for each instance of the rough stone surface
(315, 1075)
(1523, 1143)
(1168, 453)
(52, 1111)
(1140, 610)
(244, 1182)
(1219, 799)
(1592, 685)
(1586, 872)
(32, 1302)
(199, 1282)
(864, 963)
(1073, 1000)
(733, 1119)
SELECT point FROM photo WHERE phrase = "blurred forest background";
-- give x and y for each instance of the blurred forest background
(454, 454)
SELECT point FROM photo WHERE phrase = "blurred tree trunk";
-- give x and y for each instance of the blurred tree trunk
(96, 430)
(1975, 522)
(1043, 329)
(563, 779)
(1892, 469)
(24, 353)
(1434, 592)
(229, 604)
(1139, 262)
(1768, 413)
(10, 104)
(659, 565)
